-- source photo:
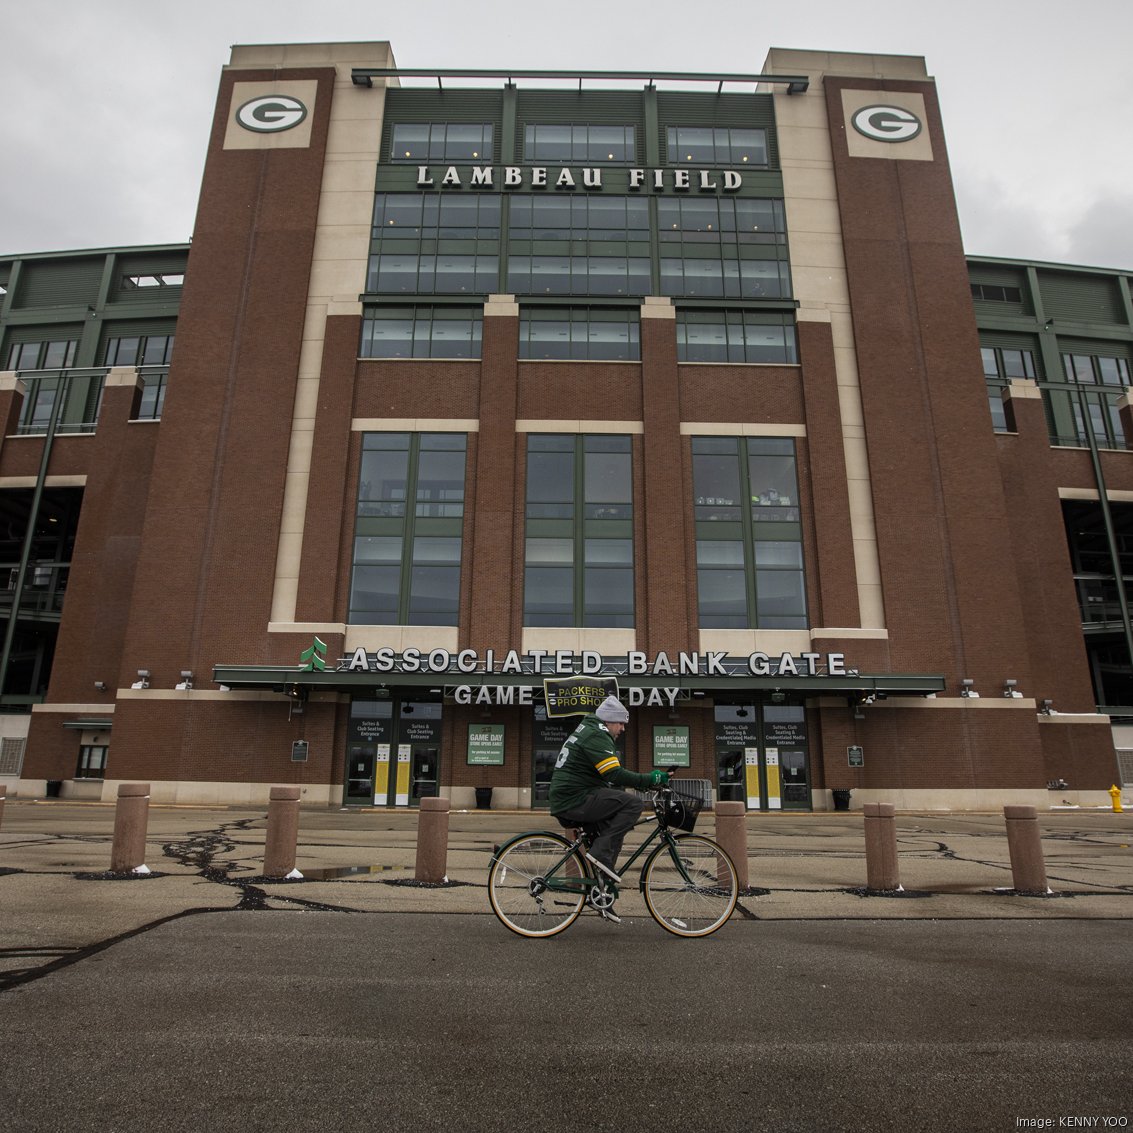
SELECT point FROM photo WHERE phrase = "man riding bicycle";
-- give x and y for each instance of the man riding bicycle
(587, 787)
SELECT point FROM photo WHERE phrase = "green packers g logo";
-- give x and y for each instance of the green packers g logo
(886, 123)
(271, 113)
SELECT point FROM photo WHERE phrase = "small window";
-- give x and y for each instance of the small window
(735, 336)
(716, 145)
(996, 294)
(54, 355)
(157, 279)
(441, 141)
(138, 350)
(92, 762)
(578, 143)
(422, 332)
(579, 334)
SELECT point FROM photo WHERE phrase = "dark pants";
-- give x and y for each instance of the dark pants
(612, 813)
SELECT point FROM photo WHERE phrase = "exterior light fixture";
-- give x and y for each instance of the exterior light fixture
(100, 686)
(1046, 707)
(143, 679)
(967, 690)
(1010, 691)
(186, 680)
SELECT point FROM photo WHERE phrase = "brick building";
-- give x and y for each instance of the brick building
(669, 380)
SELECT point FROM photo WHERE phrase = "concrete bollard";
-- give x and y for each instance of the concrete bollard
(731, 833)
(131, 819)
(432, 840)
(881, 870)
(1028, 871)
(283, 832)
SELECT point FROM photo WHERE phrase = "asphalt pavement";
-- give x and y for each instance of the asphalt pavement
(203, 996)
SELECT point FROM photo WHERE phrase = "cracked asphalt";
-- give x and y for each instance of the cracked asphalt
(60, 903)
(204, 996)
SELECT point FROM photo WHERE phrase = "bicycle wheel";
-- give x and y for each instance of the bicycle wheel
(696, 897)
(517, 890)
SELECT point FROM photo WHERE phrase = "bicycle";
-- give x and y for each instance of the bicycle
(539, 882)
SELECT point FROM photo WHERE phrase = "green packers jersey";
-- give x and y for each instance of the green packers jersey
(589, 760)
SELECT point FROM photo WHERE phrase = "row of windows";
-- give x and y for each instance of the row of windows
(1071, 417)
(421, 216)
(578, 543)
(596, 276)
(133, 350)
(578, 142)
(598, 246)
(579, 334)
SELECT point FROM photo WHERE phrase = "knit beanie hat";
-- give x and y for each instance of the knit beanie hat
(612, 711)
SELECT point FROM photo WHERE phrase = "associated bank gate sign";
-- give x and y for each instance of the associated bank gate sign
(539, 664)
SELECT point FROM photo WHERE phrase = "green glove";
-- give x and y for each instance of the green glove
(658, 778)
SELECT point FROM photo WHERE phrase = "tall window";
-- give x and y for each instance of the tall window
(578, 143)
(1001, 365)
(579, 549)
(735, 336)
(407, 535)
(749, 551)
(441, 141)
(716, 145)
(92, 761)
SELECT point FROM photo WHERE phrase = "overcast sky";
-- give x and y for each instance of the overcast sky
(108, 103)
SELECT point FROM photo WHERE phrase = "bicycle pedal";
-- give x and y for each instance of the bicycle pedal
(610, 915)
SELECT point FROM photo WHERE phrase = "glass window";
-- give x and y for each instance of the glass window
(422, 332)
(441, 141)
(580, 334)
(578, 143)
(58, 354)
(579, 546)
(749, 553)
(735, 336)
(92, 761)
(716, 145)
(406, 568)
(1074, 415)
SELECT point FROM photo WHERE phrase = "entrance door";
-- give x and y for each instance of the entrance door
(550, 735)
(761, 756)
(418, 768)
(368, 752)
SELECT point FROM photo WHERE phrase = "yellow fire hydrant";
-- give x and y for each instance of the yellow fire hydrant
(1115, 795)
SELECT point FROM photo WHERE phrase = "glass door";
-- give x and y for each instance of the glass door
(762, 756)
(368, 753)
(416, 774)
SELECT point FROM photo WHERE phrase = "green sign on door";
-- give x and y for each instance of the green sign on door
(486, 744)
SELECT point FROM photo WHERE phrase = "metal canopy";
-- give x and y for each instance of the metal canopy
(364, 77)
(267, 678)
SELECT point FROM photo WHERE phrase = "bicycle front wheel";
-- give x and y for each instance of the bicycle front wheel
(522, 880)
(690, 887)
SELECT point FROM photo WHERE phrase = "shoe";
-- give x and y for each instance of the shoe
(603, 867)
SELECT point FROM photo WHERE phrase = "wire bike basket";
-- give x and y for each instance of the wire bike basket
(682, 810)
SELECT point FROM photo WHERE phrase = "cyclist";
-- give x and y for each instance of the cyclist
(587, 787)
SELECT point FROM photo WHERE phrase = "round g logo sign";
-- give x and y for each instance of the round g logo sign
(271, 113)
(886, 123)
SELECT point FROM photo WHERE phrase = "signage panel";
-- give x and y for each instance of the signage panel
(486, 744)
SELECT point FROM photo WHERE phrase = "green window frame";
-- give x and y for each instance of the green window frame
(579, 142)
(139, 350)
(736, 336)
(422, 332)
(1066, 416)
(57, 354)
(1001, 365)
(420, 142)
(581, 334)
(716, 145)
(408, 530)
(749, 544)
(579, 551)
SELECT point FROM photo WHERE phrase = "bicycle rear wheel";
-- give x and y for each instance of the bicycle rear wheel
(517, 887)
(696, 896)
